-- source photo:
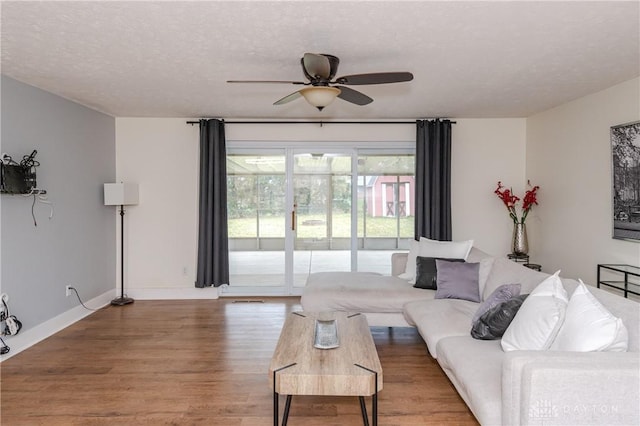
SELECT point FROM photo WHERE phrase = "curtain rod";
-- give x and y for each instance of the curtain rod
(313, 122)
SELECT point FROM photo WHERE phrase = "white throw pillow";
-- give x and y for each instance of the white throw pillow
(443, 250)
(588, 326)
(434, 248)
(539, 319)
(410, 269)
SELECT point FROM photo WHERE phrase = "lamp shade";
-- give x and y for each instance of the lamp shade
(120, 194)
(320, 96)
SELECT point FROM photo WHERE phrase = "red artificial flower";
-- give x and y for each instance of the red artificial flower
(510, 200)
(530, 198)
(506, 195)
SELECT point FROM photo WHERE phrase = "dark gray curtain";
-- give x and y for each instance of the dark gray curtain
(433, 179)
(213, 246)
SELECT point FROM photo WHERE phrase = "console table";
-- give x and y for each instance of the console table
(629, 282)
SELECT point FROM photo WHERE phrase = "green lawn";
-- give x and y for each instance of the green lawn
(315, 227)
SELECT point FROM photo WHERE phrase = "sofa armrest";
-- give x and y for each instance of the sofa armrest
(559, 388)
(398, 263)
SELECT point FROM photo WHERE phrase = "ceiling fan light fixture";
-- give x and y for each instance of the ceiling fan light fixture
(319, 70)
(320, 96)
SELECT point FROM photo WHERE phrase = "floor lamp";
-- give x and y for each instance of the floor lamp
(121, 194)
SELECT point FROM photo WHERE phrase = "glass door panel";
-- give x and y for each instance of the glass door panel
(385, 208)
(322, 214)
(256, 200)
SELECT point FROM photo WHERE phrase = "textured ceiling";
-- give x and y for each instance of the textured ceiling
(172, 59)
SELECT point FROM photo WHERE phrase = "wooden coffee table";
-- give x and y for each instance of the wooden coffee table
(352, 369)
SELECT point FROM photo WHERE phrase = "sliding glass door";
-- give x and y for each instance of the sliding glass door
(322, 220)
(293, 212)
(256, 209)
(385, 207)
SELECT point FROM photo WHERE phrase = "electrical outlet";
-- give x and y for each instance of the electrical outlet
(67, 291)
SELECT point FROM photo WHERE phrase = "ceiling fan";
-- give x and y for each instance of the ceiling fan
(320, 70)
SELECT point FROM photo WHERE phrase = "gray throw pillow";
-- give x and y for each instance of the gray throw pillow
(493, 323)
(499, 295)
(426, 272)
(458, 280)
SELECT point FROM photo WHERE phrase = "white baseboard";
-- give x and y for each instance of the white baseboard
(185, 293)
(29, 337)
(237, 291)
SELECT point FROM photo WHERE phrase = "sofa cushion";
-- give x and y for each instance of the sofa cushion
(588, 326)
(501, 294)
(450, 249)
(399, 263)
(539, 319)
(492, 324)
(485, 269)
(439, 318)
(457, 280)
(505, 271)
(626, 309)
(476, 255)
(427, 273)
(475, 369)
(409, 273)
(359, 292)
(433, 248)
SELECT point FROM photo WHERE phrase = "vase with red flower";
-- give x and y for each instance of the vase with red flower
(519, 242)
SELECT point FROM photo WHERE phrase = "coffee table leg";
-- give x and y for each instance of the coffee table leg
(363, 408)
(285, 416)
(374, 400)
(375, 409)
(276, 414)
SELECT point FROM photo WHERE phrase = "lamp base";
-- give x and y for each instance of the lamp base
(121, 301)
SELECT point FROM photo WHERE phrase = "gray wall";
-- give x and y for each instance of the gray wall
(76, 151)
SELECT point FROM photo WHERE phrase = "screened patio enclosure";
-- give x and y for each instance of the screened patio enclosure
(293, 212)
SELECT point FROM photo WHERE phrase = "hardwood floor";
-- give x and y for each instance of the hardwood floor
(193, 362)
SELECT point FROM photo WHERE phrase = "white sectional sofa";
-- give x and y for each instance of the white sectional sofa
(380, 297)
(519, 387)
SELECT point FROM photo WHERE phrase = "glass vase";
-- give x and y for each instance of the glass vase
(519, 243)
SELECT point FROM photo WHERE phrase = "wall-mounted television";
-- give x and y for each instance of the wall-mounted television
(18, 178)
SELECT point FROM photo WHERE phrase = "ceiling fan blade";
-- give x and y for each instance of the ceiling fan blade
(266, 81)
(375, 78)
(353, 96)
(288, 98)
(334, 61)
(316, 66)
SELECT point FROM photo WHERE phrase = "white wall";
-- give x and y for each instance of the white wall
(569, 156)
(486, 151)
(310, 132)
(162, 156)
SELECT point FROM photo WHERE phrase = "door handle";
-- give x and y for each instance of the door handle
(293, 218)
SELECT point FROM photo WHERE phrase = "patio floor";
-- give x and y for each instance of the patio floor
(266, 268)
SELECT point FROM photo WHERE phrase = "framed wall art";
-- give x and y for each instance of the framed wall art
(625, 155)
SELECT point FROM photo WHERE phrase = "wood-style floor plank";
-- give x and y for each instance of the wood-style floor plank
(203, 362)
